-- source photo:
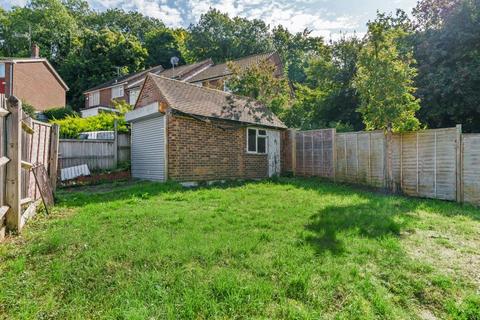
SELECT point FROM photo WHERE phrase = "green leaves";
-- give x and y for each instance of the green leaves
(72, 126)
(258, 82)
(384, 81)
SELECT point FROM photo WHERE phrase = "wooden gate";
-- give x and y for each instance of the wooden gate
(27, 143)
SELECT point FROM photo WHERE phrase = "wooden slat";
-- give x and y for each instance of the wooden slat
(25, 201)
(27, 128)
(3, 212)
(3, 112)
(26, 165)
(3, 161)
(30, 211)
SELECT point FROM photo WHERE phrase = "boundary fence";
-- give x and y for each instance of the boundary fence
(24, 143)
(437, 163)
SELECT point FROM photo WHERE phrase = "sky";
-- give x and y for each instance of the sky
(327, 18)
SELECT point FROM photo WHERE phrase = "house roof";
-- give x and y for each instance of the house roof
(126, 78)
(195, 100)
(181, 71)
(221, 70)
(33, 60)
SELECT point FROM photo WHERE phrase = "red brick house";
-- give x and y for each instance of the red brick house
(33, 80)
(100, 98)
(203, 73)
(188, 133)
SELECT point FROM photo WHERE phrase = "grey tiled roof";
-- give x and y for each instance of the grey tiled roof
(221, 70)
(195, 100)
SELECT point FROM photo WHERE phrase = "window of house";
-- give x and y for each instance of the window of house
(133, 96)
(94, 99)
(256, 141)
(2, 70)
(117, 92)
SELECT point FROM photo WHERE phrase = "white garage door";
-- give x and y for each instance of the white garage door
(148, 149)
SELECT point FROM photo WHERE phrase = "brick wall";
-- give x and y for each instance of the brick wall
(35, 84)
(149, 94)
(200, 151)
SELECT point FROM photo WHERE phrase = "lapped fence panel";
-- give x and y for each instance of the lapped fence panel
(471, 168)
(425, 163)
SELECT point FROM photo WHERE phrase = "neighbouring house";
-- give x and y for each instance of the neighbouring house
(188, 133)
(203, 73)
(215, 76)
(33, 80)
(101, 98)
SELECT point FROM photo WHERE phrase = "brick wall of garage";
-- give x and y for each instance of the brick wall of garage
(214, 150)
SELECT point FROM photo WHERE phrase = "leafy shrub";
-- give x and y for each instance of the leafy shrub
(72, 126)
(59, 113)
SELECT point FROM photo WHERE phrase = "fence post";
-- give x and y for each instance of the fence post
(459, 167)
(54, 145)
(13, 172)
(389, 161)
(293, 138)
(115, 143)
(334, 154)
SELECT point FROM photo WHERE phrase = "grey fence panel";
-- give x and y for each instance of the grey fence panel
(96, 154)
(471, 168)
(424, 163)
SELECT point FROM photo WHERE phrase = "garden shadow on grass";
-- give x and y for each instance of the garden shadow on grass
(364, 220)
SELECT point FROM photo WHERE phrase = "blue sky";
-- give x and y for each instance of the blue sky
(325, 17)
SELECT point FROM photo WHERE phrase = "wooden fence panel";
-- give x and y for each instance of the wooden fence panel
(471, 168)
(377, 158)
(97, 154)
(314, 153)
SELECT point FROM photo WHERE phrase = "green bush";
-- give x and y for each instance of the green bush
(59, 113)
(72, 126)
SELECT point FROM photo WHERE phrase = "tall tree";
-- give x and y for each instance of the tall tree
(259, 83)
(162, 44)
(384, 81)
(327, 97)
(97, 58)
(295, 50)
(44, 22)
(132, 22)
(448, 55)
(222, 38)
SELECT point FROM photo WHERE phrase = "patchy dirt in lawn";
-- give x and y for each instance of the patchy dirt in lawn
(453, 254)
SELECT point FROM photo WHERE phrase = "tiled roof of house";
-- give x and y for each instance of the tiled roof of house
(195, 100)
(181, 71)
(221, 70)
(126, 78)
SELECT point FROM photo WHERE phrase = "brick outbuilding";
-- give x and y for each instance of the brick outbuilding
(188, 133)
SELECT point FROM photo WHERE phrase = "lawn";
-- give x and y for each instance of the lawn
(290, 248)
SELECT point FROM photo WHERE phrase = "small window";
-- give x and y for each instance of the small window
(257, 141)
(117, 92)
(94, 99)
(133, 96)
(2, 70)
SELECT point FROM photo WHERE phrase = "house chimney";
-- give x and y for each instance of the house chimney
(35, 51)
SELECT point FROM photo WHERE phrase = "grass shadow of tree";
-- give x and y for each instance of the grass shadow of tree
(329, 225)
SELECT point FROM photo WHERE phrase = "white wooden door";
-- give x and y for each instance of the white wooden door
(273, 152)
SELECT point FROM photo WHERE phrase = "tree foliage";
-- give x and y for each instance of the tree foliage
(448, 55)
(259, 83)
(72, 126)
(384, 81)
(222, 38)
(100, 56)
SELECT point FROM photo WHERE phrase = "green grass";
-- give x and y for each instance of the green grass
(292, 249)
